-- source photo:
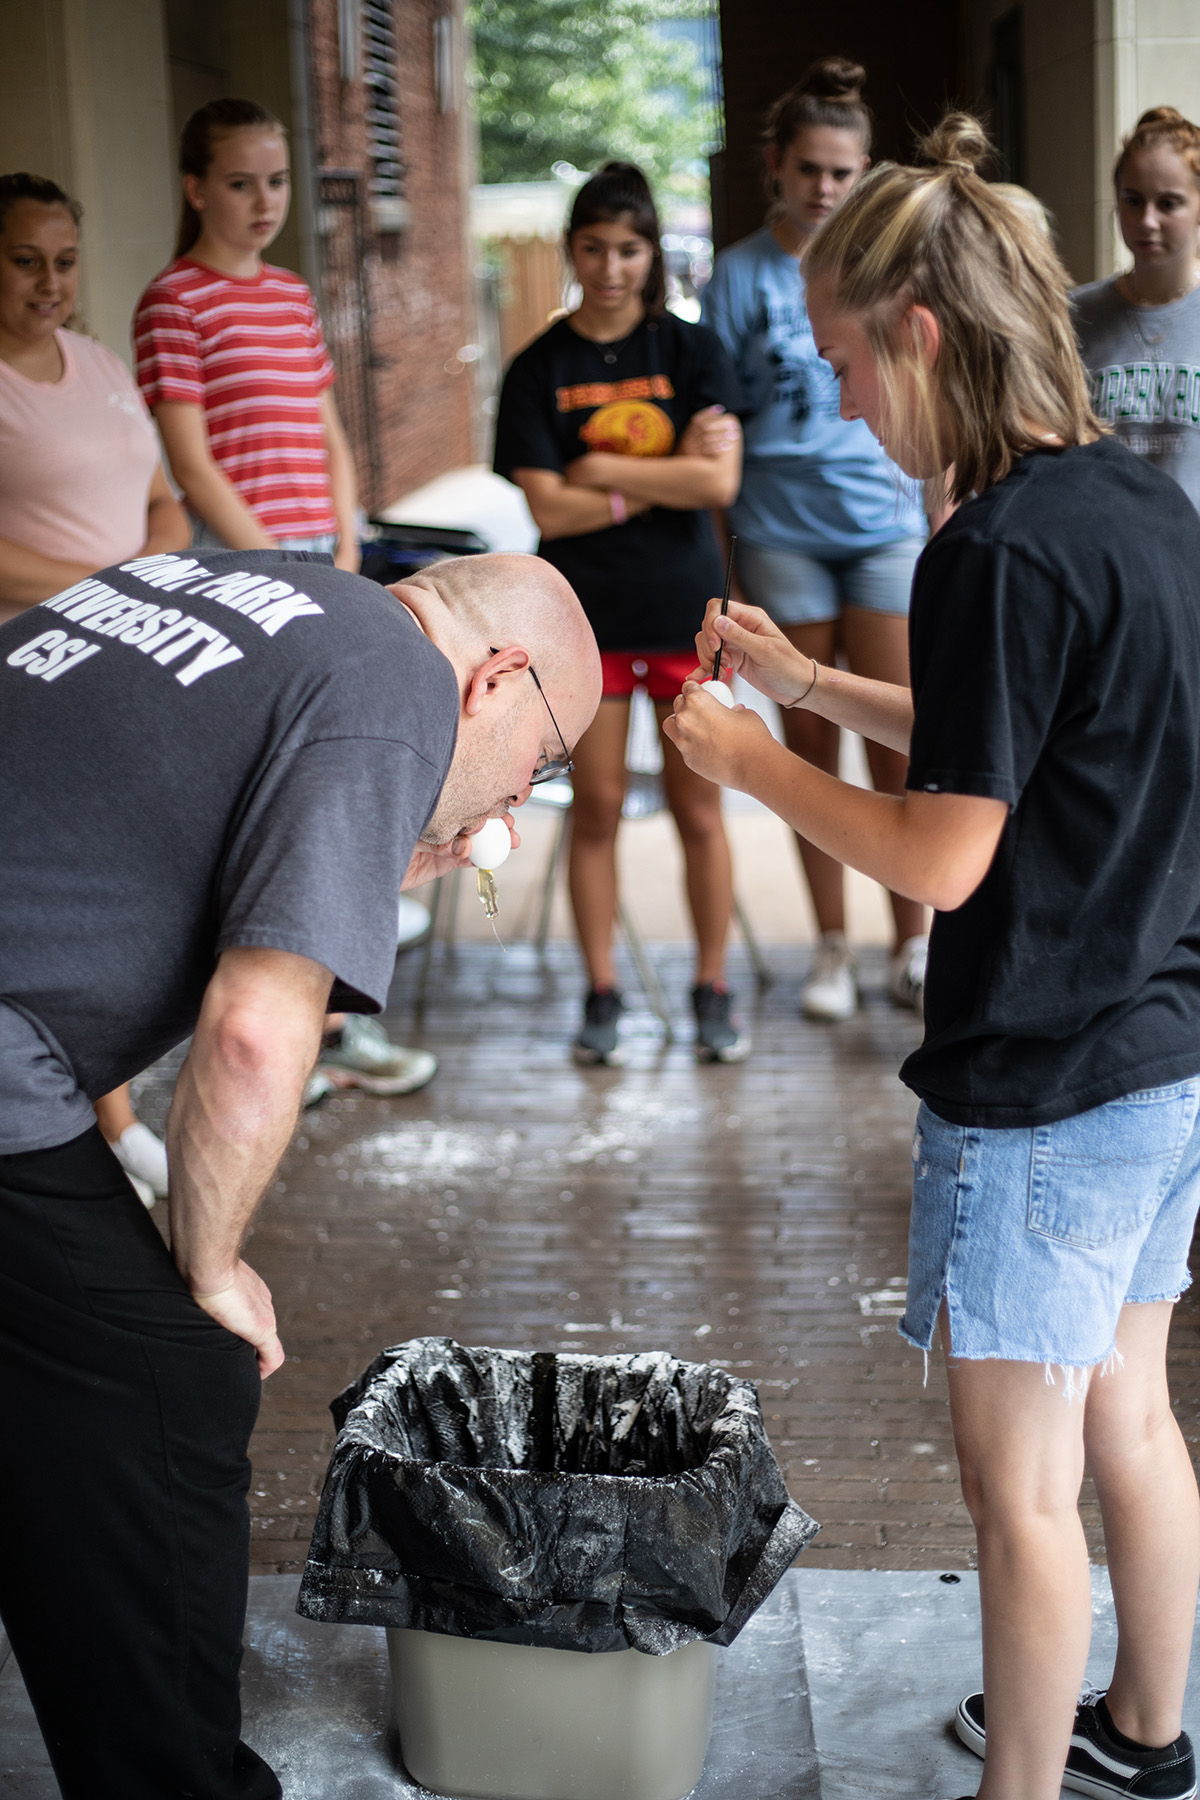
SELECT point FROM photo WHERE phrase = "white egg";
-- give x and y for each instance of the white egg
(719, 691)
(491, 844)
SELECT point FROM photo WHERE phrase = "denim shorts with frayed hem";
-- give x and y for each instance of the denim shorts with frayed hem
(1036, 1237)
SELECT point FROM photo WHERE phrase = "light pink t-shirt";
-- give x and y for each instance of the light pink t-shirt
(76, 457)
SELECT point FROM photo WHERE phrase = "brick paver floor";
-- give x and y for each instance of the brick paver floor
(752, 1216)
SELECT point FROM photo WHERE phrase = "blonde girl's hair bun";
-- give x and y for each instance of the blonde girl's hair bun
(958, 145)
(833, 78)
(940, 238)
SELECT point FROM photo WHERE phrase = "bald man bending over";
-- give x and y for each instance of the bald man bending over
(218, 775)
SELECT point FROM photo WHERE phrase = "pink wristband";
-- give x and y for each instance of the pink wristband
(617, 502)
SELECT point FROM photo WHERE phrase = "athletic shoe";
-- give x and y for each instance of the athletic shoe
(597, 1040)
(359, 1055)
(144, 1157)
(717, 1037)
(316, 1088)
(1101, 1761)
(906, 974)
(830, 991)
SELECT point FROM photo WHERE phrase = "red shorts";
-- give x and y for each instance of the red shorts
(662, 676)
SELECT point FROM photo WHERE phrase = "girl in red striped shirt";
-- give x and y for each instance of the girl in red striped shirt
(230, 356)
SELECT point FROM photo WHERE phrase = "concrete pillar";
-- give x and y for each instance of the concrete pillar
(84, 100)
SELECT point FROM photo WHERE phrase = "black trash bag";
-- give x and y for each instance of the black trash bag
(574, 1502)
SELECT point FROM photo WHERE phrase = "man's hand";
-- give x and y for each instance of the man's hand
(710, 432)
(756, 649)
(234, 1110)
(715, 741)
(431, 860)
(244, 1308)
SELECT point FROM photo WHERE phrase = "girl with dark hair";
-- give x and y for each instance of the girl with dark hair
(1052, 819)
(613, 424)
(828, 534)
(230, 356)
(1139, 333)
(81, 485)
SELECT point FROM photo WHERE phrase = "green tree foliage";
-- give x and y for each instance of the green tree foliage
(582, 81)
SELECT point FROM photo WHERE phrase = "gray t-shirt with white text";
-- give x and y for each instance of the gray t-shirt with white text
(1143, 365)
(198, 752)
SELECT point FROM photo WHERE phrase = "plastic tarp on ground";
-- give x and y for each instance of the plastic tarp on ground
(574, 1502)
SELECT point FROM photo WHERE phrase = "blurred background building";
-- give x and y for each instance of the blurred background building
(437, 146)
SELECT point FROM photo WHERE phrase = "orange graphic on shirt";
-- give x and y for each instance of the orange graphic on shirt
(630, 428)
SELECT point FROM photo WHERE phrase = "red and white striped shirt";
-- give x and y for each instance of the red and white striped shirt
(251, 353)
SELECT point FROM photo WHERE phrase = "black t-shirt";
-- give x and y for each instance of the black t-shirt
(1055, 636)
(644, 585)
(198, 752)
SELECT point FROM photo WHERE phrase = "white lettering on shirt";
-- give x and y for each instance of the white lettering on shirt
(51, 654)
(271, 604)
(213, 656)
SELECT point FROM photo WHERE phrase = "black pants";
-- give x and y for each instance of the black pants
(125, 1416)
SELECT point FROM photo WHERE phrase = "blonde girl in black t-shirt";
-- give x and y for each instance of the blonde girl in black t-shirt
(1052, 820)
(613, 424)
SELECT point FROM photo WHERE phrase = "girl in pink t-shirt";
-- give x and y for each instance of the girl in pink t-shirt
(81, 485)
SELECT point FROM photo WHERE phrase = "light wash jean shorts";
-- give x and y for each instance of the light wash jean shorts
(794, 589)
(323, 545)
(1036, 1238)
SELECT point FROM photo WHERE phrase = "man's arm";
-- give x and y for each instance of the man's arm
(234, 1111)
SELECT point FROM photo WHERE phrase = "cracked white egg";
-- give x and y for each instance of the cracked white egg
(490, 845)
(719, 690)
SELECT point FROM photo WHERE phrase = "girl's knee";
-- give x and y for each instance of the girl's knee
(699, 822)
(596, 816)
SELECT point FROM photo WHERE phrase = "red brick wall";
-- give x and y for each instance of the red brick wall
(419, 281)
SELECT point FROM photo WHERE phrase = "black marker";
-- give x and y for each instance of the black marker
(716, 674)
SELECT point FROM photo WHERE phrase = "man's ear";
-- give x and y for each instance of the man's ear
(485, 681)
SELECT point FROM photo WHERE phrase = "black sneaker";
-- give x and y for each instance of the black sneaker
(717, 1038)
(597, 1040)
(1100, 1761)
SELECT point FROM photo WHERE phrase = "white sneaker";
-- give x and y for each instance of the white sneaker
(144, 1159)
(362, 1057)
(906, 974)
(830, 992)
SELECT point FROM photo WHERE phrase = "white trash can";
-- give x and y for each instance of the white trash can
(516, 1722)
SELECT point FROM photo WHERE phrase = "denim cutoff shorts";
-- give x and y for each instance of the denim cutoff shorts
(1035, 1238)
(794, 589)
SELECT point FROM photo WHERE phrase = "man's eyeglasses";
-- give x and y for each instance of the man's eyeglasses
(555, 767)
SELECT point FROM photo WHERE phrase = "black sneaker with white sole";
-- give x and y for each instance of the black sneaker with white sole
(597, 1040)
(1101, 1761)
(717, 1037)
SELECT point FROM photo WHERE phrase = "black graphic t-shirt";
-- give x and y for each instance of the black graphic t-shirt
(1055, 635)
(644, 585)
(199, 752)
